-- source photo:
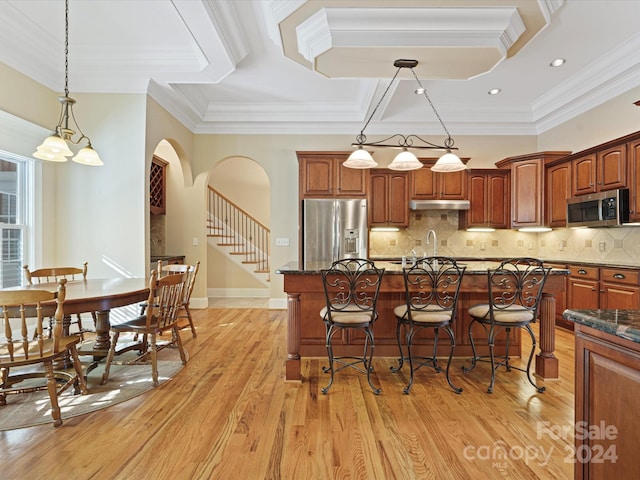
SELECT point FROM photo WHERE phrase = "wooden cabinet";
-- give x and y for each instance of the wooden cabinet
(604, 169)
(558, 190)
(488, 191)
(633, 163)
(528, 186)
(429, 185)
(561, 299)
(388, 198)
(527, 193)
(158, 186)
(607, 386)
(323, 176)
(591, 287)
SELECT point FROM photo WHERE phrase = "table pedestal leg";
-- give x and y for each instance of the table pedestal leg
(292, 369)
(546, 361)
(103, 339)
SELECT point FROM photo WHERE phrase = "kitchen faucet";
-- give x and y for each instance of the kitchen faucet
(432, 233)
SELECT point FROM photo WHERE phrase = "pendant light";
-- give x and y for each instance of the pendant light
(55, 147)
(405, 160)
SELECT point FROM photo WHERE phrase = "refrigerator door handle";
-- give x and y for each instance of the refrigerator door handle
(336, 232)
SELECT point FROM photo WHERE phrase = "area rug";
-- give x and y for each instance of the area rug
(125, 382)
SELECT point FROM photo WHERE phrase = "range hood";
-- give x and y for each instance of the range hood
(439, 204)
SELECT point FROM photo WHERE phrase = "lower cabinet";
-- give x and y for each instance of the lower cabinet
(591, 287)
(607, 388)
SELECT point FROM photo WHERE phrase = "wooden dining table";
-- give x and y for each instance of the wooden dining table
(99, 296)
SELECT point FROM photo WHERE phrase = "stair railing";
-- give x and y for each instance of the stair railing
(239, 231)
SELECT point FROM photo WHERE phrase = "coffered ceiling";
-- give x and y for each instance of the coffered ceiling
(320, 66)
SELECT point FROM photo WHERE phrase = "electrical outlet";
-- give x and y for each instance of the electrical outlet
(483, 246)
(282, 242)
(530, 245)
(195, 242)
(602, 246)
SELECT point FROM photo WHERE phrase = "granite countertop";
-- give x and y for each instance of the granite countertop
(621, 323)
(474, 267)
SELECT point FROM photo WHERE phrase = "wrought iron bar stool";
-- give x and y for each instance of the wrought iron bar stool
(432, 286)
(515, 291)
(351, 288)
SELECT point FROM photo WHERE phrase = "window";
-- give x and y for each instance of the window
(13, 207)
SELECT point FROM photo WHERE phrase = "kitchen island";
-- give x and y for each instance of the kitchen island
(306, 332)
(607, 388)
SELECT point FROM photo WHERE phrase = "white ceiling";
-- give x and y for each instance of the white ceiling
(320, 66)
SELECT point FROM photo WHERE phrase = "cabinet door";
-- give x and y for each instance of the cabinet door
(378, 199)
(558, 185)
(423, 184)
(452, 185)
(607, 382)
(583, 294)
(634, 180)
(612, 171)
(388, 199)
(316, 176)
(615, 295)
(158, 186)
(527, 193)
(583, 175)
(498, 200)
(350, 182)
(398, 199)
(476, 216)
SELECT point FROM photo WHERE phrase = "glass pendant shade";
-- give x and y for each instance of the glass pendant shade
(405, 160)
(88, 156)
(449, 162)
(49, 157)
(360, 158)
(54, 145)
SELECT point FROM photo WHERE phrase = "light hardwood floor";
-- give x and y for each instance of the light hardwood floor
(229, 414)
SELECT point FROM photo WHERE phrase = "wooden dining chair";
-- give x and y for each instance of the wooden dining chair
(432, 287)
(24, 346)
(48, 275)
(190, 272)
(161, 315)
(515, 291)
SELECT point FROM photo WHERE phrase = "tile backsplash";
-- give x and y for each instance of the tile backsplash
(619, 245)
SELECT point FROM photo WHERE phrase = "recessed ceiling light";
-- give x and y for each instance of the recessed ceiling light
(494, 91)
(557, 62)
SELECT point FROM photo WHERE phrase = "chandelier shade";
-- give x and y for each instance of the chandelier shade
(406, 160)
(360, 158)
(55, 147)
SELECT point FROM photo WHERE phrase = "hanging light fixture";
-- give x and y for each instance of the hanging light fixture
(55, 148)
(405, 160)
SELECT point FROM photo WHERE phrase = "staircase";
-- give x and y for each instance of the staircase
(240, 235)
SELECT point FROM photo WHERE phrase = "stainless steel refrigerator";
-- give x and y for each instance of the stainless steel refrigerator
(333, 229)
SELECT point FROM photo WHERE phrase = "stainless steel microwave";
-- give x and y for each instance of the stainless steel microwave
(602, 209)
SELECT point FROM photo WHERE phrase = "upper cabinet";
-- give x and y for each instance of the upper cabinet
(604, 169)
(558, 189)
(528, 187)
(323, 176)
(633, 150)
(388, 198)
(429, 185)
(158, 186)
(487, 191)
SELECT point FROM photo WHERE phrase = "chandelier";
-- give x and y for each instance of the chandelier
(55, 147)
(405, 160)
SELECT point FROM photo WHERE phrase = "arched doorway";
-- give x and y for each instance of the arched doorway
(244, 183)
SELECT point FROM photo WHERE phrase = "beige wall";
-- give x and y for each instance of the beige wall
(102, 213)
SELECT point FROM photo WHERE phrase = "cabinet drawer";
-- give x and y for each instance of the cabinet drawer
(628, 277)
(582, 271)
